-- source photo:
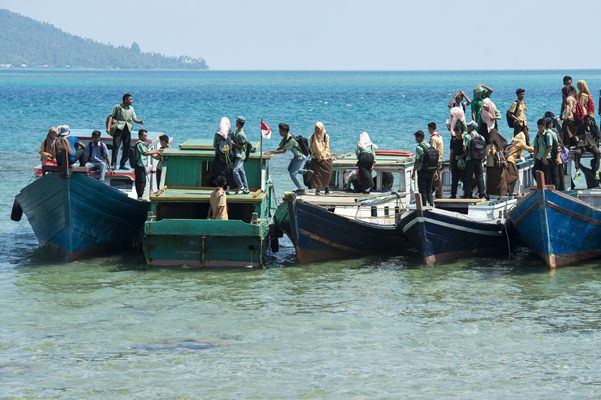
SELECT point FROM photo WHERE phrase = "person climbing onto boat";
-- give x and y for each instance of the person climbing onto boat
(436, 142)
(120, 124)
(48, 147)
(457, 158)
(240, 142)
(295, 168)
(516, 115)
(587, 135)
(218, 200)
(77, 148)
(461, 100)
(591, 175)
(98, 156)
(543, 144)
(141, 170)
(366, 153)
(481, 92)
(222, 143)
(474, 150)
(426, 164)
(512, 153)
(321, 159)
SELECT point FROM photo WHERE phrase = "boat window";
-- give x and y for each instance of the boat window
(121, 183)
(177, 210)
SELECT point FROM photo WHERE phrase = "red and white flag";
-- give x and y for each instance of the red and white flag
(265, 130)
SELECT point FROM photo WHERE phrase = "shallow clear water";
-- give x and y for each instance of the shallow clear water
(374, 327)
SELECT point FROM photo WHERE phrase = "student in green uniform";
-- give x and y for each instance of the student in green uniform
(142, 154)
(240, 142)
(425, 178)
(297, 163)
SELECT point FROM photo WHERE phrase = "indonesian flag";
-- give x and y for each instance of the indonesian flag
(265, 130)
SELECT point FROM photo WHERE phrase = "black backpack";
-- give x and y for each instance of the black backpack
(477, 147)
(303, 144)
(429, 159)
(132, 155)
(509, 115)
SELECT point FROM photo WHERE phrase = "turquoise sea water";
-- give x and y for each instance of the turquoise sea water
(368, 328)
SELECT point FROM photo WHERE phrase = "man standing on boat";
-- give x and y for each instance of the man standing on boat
(426, 164)
(436, 142)
(120, 125)
(543, 144)
(240, 142)
(517, 115)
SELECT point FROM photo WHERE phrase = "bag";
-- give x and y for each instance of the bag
(499, 159)
(590, 106)
(564, 154)
(104, 154)
(132, 155)
(112, 128)
(429, 159)
(509, 115)
(579, 113)
(303, 143)
(477, 147)
(307, 177)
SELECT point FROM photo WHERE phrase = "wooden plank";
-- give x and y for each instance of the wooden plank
(459, 201)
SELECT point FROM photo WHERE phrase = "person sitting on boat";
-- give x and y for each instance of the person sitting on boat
(474, 153)
(543, 143)
(120, 125)
(512, 153)
(48, 147)
(141, 169)
(218, 200)
(591, 174)
(77, 148)
(63, 147)
(163, 144)
(240, 143)
(321, 159)
(366, 153)
(222, 142)
(588, 140)
(298, 161)
(457, 158)
(425, 167)
(98, 156)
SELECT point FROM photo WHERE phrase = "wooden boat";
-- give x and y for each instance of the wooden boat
(473, 227)
(76, 215)
(562, 228)
(343, 224)
(178, 233)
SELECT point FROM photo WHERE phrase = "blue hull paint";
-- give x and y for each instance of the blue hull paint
(318, 235)
(561, 229)
(81, 216)
(446, 236)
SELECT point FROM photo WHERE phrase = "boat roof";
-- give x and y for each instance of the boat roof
(87, 133)
(203, 147)
(203, 194)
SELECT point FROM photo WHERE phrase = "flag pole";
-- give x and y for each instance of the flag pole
(261, 154)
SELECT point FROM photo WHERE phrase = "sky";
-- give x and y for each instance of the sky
(340, 35)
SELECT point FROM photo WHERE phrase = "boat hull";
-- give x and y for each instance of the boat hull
(81, 216)
(559, 228)
(318, 234)
(441, 236)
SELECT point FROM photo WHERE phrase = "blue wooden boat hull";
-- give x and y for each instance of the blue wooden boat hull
(559, 228)
(81, 216)
(320, 235)
(447, 236)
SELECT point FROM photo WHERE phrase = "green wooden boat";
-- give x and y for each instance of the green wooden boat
(178, 233)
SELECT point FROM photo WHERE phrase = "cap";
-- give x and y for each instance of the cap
(241, 119)
(63, 130)
(473, 124)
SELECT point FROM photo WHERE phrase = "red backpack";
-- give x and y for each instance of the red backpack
(579, 113)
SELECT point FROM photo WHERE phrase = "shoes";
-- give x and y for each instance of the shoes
(123, 167)
(238, 191)
(453, 197)
(317, 192)
(299, 191)
(246, 191)
(327, 191)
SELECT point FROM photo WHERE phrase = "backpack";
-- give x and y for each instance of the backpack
(509, 115)
(579, 113)
(590, 106)
(132, 155)
(303, 144)
(429, 159)
(477, 147)
(225, 145)
(101, 149)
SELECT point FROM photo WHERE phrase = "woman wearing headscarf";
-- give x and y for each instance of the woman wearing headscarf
(568, 132)
(222, 142)
(321, 159)
(365, 151)
(514, 151)
(457, 114)
(48, 149)
(496, 166)
(585, 99)
(489, 116)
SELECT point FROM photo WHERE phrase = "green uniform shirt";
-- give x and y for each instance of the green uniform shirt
(419, 153)
(141, 148)
(360, 150)
(289, 144)
(124, 116)
(240, 138)
(541, 142)
(467, 138)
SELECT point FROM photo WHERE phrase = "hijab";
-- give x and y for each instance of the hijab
(320, 143)
(364, 141)
(497, 140)
(224, 127)
(583, 87)
(457, 114)
(488, 114)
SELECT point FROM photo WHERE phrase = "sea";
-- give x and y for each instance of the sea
(375, 327)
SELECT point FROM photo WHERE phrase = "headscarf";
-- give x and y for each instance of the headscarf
(583, 87)
(457, 114)
(488, 116)
(224, 127)
(364, 141)
(497, 140)
(320, 143)
(570, 108)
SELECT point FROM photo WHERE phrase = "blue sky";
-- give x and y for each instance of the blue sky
(341, 35)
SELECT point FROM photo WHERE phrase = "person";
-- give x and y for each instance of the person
(77, 148)
(514, 152)
(591, 175)
(474, 153)
(141, 169)
(163, 144)
(496, 165)
(218, 200)
(555, 163)
(457, 158)
(436, 142)
(295, 168)
(457, 115)
(63, 147)
(461, 100)
(566, 91)
(542, 150)
(48, 147)
(222, 143)
(569, 125)
(481, 92)
(517, 112)
(424, 177)
(587, 135)
(321, 159)
(124, 117)
(240, 142)
(488, 118)
(585, 99)
(366, 156)
(98, 156)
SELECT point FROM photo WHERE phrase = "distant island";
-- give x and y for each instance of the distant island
(26, 43)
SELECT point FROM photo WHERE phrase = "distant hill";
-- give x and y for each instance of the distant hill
(26, 42)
